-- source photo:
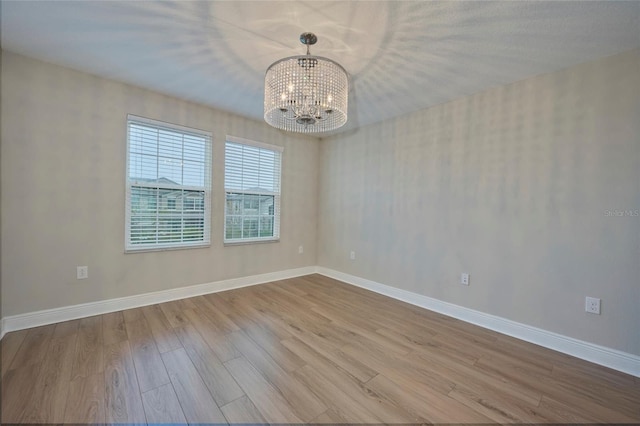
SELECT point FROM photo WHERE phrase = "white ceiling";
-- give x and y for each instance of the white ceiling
(401, 56)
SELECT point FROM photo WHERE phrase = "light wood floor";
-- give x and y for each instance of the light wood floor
(308, 349)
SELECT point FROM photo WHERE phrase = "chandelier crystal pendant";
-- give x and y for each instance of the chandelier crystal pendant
(306, 93)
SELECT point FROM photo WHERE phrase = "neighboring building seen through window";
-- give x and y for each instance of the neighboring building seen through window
(252, 187)
(168, 186)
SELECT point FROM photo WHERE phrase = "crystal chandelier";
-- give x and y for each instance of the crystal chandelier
(306, 93)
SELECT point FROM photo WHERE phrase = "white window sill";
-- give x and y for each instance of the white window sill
(244, 242)
(170, 248)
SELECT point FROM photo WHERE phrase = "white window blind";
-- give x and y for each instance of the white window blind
(252, 187)
(168, 186)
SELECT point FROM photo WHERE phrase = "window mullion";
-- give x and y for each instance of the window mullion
(242, 217)
(182, 228)
(157, 189)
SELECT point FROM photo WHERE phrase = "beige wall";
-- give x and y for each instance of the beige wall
(63, 192)
(1, 52)
(510, 185)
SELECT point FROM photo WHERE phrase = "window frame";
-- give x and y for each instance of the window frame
(206, 189)
(278, 151)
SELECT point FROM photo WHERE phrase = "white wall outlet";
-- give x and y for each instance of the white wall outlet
(592, 305)
(464, 278)
(300, 249)
(352, 255)
(82, 272)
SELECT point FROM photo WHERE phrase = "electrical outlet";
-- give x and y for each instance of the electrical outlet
(300, 250)
(464, 278)
(82, 272)
(352, 255)
(592, 305)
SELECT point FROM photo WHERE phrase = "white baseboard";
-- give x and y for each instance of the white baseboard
(597, 354)
(608, 357)
(66, 313)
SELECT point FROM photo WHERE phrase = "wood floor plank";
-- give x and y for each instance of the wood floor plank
(197, 403)
(289, 302)
(186, 303)
(393, 366)
(329, 417)
(222, 305)
(302, 400)
(604, 376)
(254, 311)
(34, 346)
(393, 314)
(370, 338)
(150, 369)
(381, 407)
(515, 371)
(218, 319)
(264, 396)
(463, 374)
(10, 344)
(242, 411)
(596, 405)
(66, 328)
(418, 341)
(461, 346)
(569, 413)
(131, 315)
(114, 330)
(324, 307)
(163, 334)
(464, 353)
(529, 354)
(49, 396)
(86, 401)
(291, 286)
(498, 406)
(430, 405)
(270, 343)
(218, 380)
(311, 349)
(606, 387)
(123, 403)
(341, 329)
(272, 319)
(571, 366)
(560, 387)
(17, 386)
(218, 342)
(335, 397)
(161, 405)
(89, 358)
(295, 317)
(174, 312)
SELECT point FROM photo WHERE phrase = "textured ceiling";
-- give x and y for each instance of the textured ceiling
(401, 56)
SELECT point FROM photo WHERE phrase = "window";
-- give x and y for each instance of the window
(252, 186)
(168, 186)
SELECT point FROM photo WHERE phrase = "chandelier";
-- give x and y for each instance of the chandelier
(306, 93)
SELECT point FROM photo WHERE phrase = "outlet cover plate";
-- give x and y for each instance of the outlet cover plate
(82, 272)
(592, 305)
(464, 278)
